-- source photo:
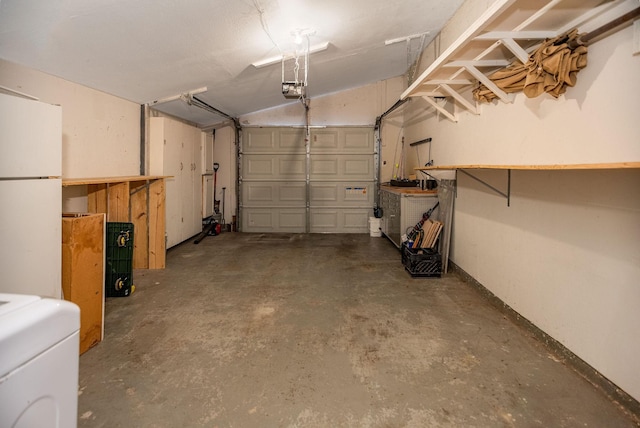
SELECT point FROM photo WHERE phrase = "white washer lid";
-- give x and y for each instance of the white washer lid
(29, 325)
(11, 302)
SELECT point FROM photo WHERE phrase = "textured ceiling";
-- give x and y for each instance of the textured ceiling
(147, 50)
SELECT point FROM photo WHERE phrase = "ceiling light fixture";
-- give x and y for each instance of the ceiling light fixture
(276, 59)
(300, 34)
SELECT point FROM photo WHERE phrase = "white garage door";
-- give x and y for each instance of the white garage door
(324, 186)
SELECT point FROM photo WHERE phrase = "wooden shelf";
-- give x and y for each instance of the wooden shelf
(138, 199)
(408, 190)
(508, 168)
(106, 180)
(615, 165)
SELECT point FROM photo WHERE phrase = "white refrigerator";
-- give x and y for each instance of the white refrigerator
(30, 197)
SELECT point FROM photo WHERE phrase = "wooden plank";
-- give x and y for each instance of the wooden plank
(473, 30)
(139, 218)
(448, 82)
(441, 109)
(83, 273)
(473, 108)
(118, 202)
(408, 190)
(516, 49)
(105, 180)
(517, 35)
(97, 198)
(490, 84)
(613, 165)
(157, 243)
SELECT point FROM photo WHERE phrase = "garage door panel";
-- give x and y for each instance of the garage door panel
(324, 141)
(258, 193)
(294, 192)
(358, 140)
(329, 220)
(341, 167)
(273, 220)
(273, 167)
(273, 140)
(324, 220)
(258, 220)
(273, 194)
(292, 220)
(292, 166)
(324, 192)
(332, 194)
(341, 140)
(258, 167)
(292, 141)
(325, 166)
(260, 140)
(362, 167)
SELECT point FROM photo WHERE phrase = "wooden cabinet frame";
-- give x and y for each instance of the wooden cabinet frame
(139, 200)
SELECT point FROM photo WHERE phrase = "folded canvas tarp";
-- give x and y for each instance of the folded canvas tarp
(552, 67)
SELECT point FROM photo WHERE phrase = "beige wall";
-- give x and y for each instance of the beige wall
(566, 254)
(100, 132)
(224, 153)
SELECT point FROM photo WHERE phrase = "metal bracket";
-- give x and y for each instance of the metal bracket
(499, 192)
(429, 175)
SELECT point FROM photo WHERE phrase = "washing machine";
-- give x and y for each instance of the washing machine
(39, 354)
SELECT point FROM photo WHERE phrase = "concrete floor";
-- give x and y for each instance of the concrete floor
(250, 330)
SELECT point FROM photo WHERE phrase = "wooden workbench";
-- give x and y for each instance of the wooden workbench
(408, 190)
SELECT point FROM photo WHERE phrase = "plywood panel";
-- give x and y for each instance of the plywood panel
(157, 243)
(97, 198)
(140, 220)
(83, 273)
(126, 199)
(118, 202)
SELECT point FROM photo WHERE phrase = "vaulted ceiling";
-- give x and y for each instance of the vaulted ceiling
(150, 50)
